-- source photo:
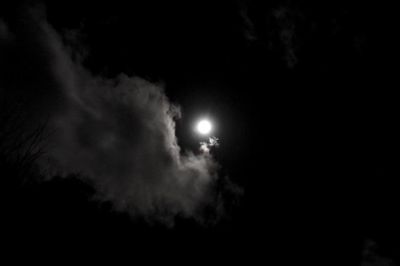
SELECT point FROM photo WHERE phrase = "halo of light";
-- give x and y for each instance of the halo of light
(204, 127)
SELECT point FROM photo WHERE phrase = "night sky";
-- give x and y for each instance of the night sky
(99, 154)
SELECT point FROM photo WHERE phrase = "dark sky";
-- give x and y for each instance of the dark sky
(302, 96)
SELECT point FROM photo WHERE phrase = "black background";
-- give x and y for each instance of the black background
(314, 145)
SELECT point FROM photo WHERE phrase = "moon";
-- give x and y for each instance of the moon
(204, 127)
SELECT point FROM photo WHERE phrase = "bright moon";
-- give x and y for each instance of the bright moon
(204, 127)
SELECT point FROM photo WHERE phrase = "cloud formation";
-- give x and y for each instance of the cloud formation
(371, 256)
(285, 20)
(280, 32)
(119, 133)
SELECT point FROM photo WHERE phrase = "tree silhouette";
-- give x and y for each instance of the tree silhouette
(21, 139)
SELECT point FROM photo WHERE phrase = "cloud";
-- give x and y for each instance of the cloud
(119, 133)
(285, 18)
(205, 146)
(280, 29)
(3, 30)
(371, 256)
(248, 25)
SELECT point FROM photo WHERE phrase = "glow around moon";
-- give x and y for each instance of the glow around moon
(204, 127)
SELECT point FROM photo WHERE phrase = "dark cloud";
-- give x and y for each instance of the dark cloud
(285, 20)
(280, 26)
(3, 31)
(117, 132)
(371, 256)
(248, 27)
